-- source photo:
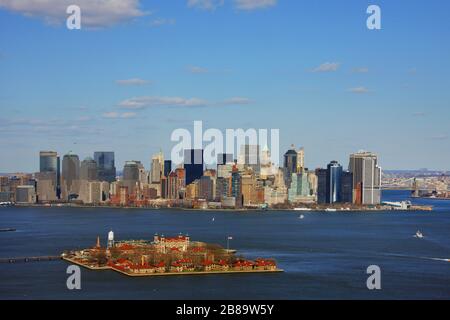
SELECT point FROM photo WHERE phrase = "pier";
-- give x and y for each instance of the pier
(30, 259)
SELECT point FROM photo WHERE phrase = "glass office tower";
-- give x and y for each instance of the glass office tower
(105, 166)
(193, 164)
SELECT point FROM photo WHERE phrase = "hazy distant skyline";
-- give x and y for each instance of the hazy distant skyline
(311, 69)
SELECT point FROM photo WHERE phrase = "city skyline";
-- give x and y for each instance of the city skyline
(147, 162)
(125, 82)
(251, 180)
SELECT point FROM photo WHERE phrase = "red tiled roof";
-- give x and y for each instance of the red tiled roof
(125, 246)
(243, 263)
(198, 249)
(261, 262)
(207, 262)
(186, 260)
(122, 260)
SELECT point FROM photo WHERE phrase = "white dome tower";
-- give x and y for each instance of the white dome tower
(110, 239)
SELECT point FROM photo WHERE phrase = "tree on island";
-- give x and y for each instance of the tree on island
(100, 257)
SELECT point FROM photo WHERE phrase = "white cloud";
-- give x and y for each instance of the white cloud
(328, 67)
(359, 90)
(361, 70)
(237, 101)
(138, 103)
(205, 4)
(83, 118)
(117, 115)
(128, 115)
(94, 13)
(254, 4)
(162, 21)
(111, 115)
(238, 4)
(132, 82)
(197, 69)
(147, 102)
(439, 137)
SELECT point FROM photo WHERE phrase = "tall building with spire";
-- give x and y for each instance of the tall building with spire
(300, 160)
(157, 168)
(267, 167)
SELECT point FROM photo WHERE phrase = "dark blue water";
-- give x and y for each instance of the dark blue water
(324, 256)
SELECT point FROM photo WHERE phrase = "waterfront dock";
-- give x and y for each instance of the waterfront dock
(30, 259)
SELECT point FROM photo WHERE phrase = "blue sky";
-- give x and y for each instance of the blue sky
(130, 77)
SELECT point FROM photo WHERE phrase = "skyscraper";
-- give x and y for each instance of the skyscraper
(321, 185)
(48, 161)
(366, 178)
(250, 157)
(224, 158)
(300, 189)
(347, 187)
(167, 167)
(334, 177)
(131, 176)
(206, 186)
(236, 187)
(193, 164)
(300, 160)
(157, 168)
(105, 166)
(88, 170)
(267, 167)
(49, 177)
(70, 177)
(290, 165)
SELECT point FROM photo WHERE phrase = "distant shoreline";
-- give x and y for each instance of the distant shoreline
(242, 210)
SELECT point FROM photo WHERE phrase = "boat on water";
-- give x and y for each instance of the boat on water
(301, 216)
(6, 204)
(419, 235)
(302, 209)
(330, 210)
(7, 230)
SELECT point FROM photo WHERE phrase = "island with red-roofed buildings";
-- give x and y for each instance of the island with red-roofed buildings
(166, 256)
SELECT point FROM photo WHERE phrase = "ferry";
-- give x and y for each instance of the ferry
(419, 235)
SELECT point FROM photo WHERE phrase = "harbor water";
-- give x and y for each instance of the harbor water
(324, 255)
